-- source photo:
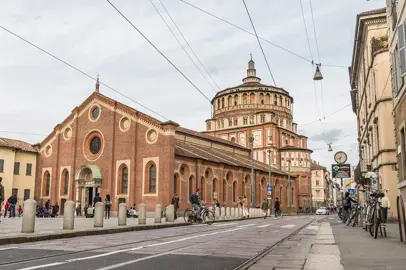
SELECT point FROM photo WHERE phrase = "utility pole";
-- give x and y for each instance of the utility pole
(269, 181)
(251, 140)
(289, 194)
(342, 199)
(311, 193)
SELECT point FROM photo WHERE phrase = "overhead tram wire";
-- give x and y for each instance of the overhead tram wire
(259, 42)
(246, 31)
(83, 73)
(314, 83)
(167, 25)
(190, 47)
(315, 121)
(163, 55)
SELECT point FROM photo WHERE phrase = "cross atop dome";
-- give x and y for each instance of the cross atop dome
(251, 72)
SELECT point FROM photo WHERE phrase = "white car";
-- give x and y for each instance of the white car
(322, 211)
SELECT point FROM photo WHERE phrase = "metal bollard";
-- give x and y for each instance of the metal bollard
(122, 214)
(142, 214)
(98, 214)
(228, 213)
(68, 215)
(223, 213)
(30, 209)
(158, 213)
(170, 213)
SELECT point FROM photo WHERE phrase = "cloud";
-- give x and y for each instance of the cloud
(328, 136)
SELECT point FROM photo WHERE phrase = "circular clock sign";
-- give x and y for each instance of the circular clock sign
(340, 157)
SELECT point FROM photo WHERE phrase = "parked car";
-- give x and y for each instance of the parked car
(322, 211)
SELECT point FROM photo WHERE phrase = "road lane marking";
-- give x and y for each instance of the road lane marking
(246, 225)
(7, 248)
(226, 224)
(132, 249)
(312, 227)
(289, 226)
(42, 266)
(264, 226)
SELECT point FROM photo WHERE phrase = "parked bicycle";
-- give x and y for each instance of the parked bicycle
(375, 219)
(206, 216)
(354, 215)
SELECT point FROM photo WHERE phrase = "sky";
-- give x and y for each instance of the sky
(37, 92)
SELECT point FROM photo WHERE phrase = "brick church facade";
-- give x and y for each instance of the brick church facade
(106, 147)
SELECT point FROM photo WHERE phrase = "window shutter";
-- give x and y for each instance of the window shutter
(394, 73)
(401, 46)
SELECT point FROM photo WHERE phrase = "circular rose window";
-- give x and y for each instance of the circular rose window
(94, 112)
(152, 136)
(67, 133)
(124, 124)
(93, 145)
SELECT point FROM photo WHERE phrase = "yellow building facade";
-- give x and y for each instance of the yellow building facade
(18, 161)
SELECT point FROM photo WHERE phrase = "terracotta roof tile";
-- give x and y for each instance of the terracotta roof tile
(17, 144)
(316, 166)
(374, 11)
(215, 155)
(208, 137)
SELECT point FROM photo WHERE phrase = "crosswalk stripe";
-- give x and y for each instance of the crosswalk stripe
(264, 226)
(224, 224)
(289, 226)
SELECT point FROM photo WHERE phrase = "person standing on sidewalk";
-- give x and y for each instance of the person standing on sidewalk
(277, 207)
(385, 205)
(175, 203)
(1, 195)
(264, 207)
(245, 207)
(13, 201)
(107, 205)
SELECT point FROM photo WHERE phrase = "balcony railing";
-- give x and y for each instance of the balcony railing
(252, 106)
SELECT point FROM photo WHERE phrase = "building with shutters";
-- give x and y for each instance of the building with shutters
(397, 42)
(372, 102)
(106, 147)
(18, 163)
(263, 112)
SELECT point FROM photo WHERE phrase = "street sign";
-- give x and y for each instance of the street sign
(351, 191)
(341, 170)
(269, 192)
(269, 187)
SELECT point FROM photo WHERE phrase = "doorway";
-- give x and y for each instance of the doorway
(62, 207)
(90, 196)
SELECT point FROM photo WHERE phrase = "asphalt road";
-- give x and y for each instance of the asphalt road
(219, 246)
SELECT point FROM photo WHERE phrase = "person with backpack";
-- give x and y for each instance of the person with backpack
(13, 201)
(277, 207)
(195, 201)
(347, 205)
(107, 206)
(175, 203)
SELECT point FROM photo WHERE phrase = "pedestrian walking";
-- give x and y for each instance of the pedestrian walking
(385, 205)
(347, 205)
(48, 205)
(20, 210)
(79, 210)
(96, 199)
(277, 207)
(175, 203)
(107, 206)
(264, 207)
(13, 201)
(1, 195)
(6, 206)
(245, 207)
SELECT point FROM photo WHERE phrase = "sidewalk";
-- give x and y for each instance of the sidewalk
(359, 250)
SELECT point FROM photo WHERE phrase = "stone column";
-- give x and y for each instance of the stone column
(158, 213)
(122, 214)
(68, 215)
(217, 211)
(228, 213)
(223, 213)
(98, 214)
(169, 213)
(211, 209)
(232, 212)
(142, 214)
(30, 209)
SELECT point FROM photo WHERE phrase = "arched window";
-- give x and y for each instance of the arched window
(261, 98)
(218, 104)
(214, 189)
(235, 100)
(150, 178)
(66, 183)
(230, 101)
(190, 185)
(280, 195)
(175, 184)
(252, 98)
(222, 102)
(245, 98)
(267, 99)
(124, 180)
(203, 188)
(275, 102)
(234, 191)
(224, 190)
(46, 184)
(233, 139)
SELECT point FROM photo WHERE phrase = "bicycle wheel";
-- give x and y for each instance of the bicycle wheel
(371, 225)
(355, 220)
(188, 215)
(377, 223)
(349, 219)
(208, 217)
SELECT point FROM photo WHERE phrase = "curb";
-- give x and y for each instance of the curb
(91, 232)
